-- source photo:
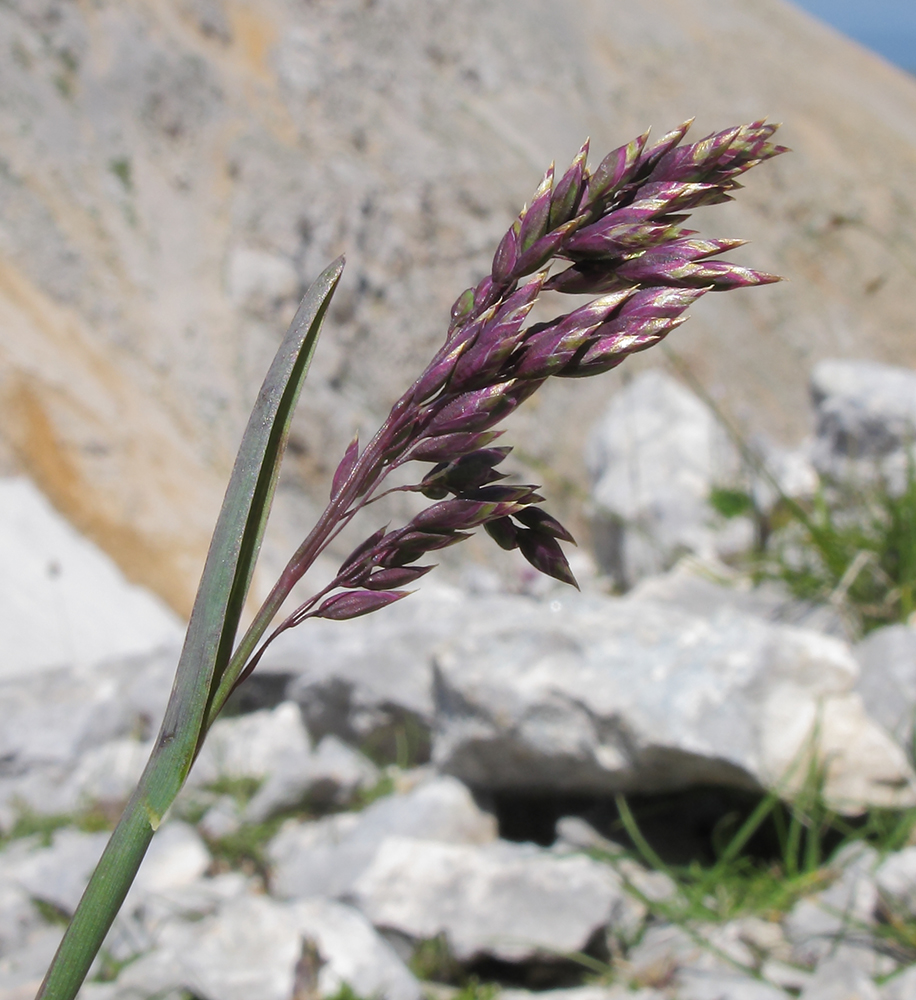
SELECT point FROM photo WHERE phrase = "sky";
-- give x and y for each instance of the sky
(887, 26)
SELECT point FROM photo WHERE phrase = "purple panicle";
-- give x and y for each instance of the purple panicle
(619, 232)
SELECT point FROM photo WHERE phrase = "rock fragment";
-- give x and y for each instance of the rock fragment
(325, 857)
(887, 679)
(866, 422)
(654, 458)
(597, 695)
(838, 978)
(515, 902)
(842, 913)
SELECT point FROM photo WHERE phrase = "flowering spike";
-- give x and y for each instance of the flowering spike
(506, 256)
(396, 576)
(449, 446)
(616, 169)
(484, 294)
(465, 473)
(363, 548)
(460, 514)
(543, 523)
(355, 603)
(517, 493)
(347, 464)
(497, 340)
(719, 275)
(503, 532)
(440, 369)
(569, 190)
(548, 350)
(695, 161)
(621, 228)
(463, 306)
(474, 411)
(653, 154)
(631, 337)
(545, 555)
(545, 249)
(411, 545)
(618, 238)
(534, 220)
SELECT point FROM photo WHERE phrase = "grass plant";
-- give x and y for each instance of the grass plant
(95, 818)
(851, 545)
(738, 884)
(854, 548)
(617, 229)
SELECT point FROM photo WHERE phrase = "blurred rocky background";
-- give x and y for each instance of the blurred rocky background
(692, 780)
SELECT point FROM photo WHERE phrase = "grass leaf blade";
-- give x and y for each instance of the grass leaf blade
(208, 644)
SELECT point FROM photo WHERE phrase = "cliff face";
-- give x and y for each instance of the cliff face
(174, 172)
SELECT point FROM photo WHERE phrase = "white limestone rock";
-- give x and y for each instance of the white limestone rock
(107, 773)
(325, 857)
(58, 874)
(58, 722)
(896, 880)
(177, 857)
(901, 986)
(224, 817)
(616, 992)
(22, 971)
(703, 587)
(64, 602)
(818, 924)
(141, 923)
(253, 946)
(837, 978)
(273, 745)
(887, 678)
(511, 901)
(331, 775)
(600, 695)
(18, 917)
(360, 680)
(249, 948)
(261, 283)
(704, 965)
(654, 456)
(866, 421)
(352, 953)
(253, 746)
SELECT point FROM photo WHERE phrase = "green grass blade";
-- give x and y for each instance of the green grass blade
(208, 643)
(639, 841)
(258, 462)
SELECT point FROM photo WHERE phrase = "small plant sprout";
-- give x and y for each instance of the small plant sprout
(619, 231)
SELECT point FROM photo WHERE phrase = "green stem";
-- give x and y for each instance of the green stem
(113, 876)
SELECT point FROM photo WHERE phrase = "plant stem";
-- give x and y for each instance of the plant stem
(112, 878)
